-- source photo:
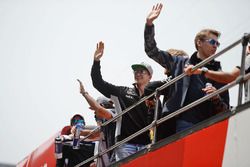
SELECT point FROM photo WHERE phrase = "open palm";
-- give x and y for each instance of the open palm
(82, 90)
(99, 51)
(155, 12)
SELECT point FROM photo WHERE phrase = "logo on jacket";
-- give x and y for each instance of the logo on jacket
(130, 93)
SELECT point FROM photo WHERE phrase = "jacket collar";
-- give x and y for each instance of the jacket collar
(195, 60)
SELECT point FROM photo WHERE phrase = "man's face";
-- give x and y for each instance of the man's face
(141, 76)
(76, 119)
(208, 46)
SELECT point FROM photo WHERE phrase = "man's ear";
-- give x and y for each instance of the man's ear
(199, 43)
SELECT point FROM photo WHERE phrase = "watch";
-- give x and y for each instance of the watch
(204, 70)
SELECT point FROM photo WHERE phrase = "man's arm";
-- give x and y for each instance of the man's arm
(218, 76)
(100, 111)
(161, 57)
(223, 77)
(102, 86)
(85, 132)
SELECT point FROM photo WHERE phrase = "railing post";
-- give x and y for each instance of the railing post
(244, 42)
(157, 98)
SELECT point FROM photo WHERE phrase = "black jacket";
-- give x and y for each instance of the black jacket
(133, 120)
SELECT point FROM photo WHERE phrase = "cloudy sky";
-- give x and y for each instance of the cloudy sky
(45, 45)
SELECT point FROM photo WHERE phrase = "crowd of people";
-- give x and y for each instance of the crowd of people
(195, 85)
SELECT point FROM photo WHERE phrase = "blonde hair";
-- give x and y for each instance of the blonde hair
(177, 52)
(203, 34)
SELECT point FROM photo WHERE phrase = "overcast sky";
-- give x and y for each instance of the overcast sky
(46, 45)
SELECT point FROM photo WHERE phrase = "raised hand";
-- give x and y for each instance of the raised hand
(99, 51)
(155, 12)
(82, 90)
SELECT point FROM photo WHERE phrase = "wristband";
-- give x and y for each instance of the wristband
(204, 70)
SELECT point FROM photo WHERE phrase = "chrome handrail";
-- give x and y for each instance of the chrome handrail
(244, 42)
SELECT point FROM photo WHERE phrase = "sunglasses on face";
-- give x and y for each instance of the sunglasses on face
(213, 42)
(76, 121)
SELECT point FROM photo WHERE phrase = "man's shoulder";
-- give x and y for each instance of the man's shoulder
(132, 91)
(127, 89)
(217, 65)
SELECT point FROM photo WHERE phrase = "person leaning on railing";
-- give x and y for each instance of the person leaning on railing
(168, 127)
(190, 88)
(221, 76)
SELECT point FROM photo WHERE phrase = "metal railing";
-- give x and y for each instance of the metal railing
(244, 40)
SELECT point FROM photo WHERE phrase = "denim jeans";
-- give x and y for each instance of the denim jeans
(182, 125)
(127, 149)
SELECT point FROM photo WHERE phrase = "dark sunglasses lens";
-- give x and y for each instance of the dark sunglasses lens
(214, 42)
(78, 121)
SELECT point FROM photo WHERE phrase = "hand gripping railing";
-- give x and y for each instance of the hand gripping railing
(156, 122)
